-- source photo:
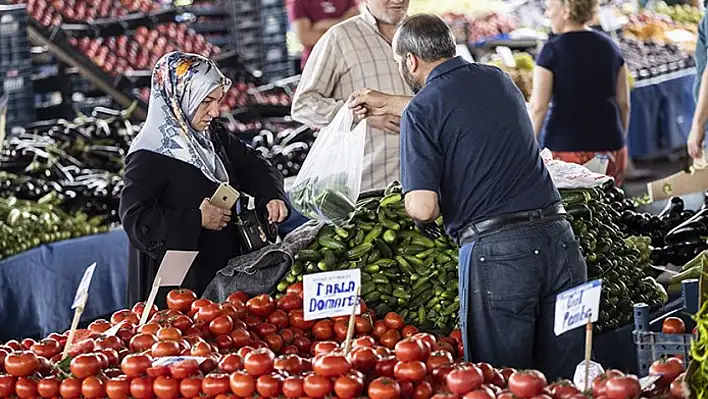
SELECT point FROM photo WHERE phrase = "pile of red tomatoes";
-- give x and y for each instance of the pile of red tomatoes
(247, 347)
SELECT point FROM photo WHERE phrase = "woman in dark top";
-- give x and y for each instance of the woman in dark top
(175, 164)
(582, 71)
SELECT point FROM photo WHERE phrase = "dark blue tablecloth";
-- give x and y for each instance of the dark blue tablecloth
(662, 110)
(37, 287)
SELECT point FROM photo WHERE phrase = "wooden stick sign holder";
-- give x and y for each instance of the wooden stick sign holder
(79, 305)
(173, 269)
(588, 353)
(352, 323)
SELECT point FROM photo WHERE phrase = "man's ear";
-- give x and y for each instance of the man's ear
(413, 63)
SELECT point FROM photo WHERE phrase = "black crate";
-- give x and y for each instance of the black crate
(17, 79)
(20, 111)
(237, 7)
(274, 21)
(14, 43)
(275, 53)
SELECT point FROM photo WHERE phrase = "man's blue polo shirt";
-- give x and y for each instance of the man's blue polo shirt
(467, 136)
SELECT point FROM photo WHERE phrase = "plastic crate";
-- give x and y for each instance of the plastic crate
(14, 43)
(20, 110)
(274, 21)
(236, 8)
(17, 78)
(275, 53)
(651, 343)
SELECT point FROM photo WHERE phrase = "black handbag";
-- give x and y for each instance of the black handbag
(254, 231)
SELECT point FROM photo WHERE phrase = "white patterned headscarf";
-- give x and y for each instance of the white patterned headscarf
(180, 82)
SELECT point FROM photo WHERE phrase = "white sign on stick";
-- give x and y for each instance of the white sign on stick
(174, 267)
(168, 360)
(331, 294)
(578, 306)
(82, 292)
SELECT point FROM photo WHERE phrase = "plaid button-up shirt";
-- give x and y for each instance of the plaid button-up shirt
(353, 55)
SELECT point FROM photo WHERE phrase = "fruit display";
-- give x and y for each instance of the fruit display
(488, 26)
(401, 269)
(263, 347)
(680, 13)
(84, 11)
(522, 73)
(621, 261)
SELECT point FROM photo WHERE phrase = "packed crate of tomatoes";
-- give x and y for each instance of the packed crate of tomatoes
(263, 347)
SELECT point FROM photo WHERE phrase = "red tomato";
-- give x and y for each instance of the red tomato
(184, 369)
(411, 350)
(268, 386)
(365, 341)
(21, 364)
(230, 363)
(394, 321)
(190, 387)
(279, 319)
(668, 370)
(481, 393)
(297, 319)
(238, 296)
(385, 366)
(413, 370)
(292, 364)
(331, 365)
(141, 388)
(181, 299)
(70, 388)
(242, 384)
(25, 388)
(92, 387)
(626, 387)
(7, 386)
(464, 379)
(599, 383)
(390, 339)
(261, 306)
(215, 384)
(409, 331)
(259, 362)
(563, 389)
(166, 387)
(221, 325)
(140, 306)
(384, 388)
(241, 338)
(323, 330)
(289, 302)
(526, 384)
(423, 390)
(303, 345)
(208, 312)
(46, 387)
(363, 324)
(437, 359)
(135, 365)
(317, 386)
(324, 347)
(166, 348)
(673, 325)
(118, 387)
(348, 387)
(293, 387)
(379, 328)
(363, 358)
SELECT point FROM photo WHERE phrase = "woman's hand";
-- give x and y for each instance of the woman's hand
(695, 143)
(214, 218)
(277, 211)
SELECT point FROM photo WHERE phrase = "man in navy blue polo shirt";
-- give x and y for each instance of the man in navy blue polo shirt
(468, 152)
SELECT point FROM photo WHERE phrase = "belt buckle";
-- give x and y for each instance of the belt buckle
(536, 215)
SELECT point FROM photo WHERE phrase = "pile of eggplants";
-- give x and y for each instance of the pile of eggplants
(286, 149)
(80, 160)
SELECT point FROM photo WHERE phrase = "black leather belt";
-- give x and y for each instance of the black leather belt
(493, 225)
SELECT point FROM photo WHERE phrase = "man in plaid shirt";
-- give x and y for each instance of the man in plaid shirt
(353, 55)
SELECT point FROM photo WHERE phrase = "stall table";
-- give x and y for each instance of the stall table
(662, 111)
(37, 287)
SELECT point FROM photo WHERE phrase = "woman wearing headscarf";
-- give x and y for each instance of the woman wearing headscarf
(175, 164)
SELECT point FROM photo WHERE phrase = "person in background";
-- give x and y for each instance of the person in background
(354, 55)
(583, 74)
(468, 152)
(310, 19)
(175, 164)
(700, 117)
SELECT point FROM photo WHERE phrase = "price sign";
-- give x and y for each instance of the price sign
(173, 269)
(594, 370)
(577, 306)
(168, 360)
(82, 292)
(331, 294)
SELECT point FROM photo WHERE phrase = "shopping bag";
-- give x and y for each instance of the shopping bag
(327, 186)
(571, 175)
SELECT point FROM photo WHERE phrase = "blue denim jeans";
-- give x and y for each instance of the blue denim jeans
(508, 286)
(295, 219)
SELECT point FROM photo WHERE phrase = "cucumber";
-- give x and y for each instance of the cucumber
(308, 255)
(328, 257)
(379, 279)
(372, 268)
(373, 234)
(389, 236)
(389, 224)
(386, 251)
(391, 199)
(374, 255)
(331, 243)
(359, 251)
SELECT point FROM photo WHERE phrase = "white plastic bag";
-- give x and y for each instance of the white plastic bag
(328, 184)
(571, 175)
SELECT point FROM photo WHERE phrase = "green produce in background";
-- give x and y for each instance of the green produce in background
(401, 269)
(621, 261)
(28, 224)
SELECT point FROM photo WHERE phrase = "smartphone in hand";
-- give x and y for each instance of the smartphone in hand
(224, 197)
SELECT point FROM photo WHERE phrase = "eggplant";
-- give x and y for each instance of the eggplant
(690, 230)
(674, 207)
